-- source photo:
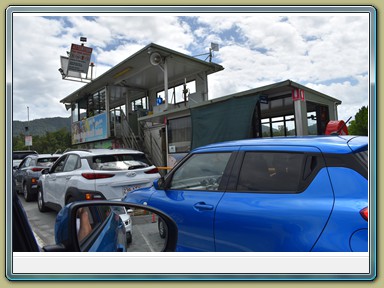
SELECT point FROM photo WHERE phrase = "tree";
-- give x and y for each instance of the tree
(359, 126)
(49, 143)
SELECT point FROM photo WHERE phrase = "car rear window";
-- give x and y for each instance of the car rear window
(46, 161)
(363, 157)
(119, 162)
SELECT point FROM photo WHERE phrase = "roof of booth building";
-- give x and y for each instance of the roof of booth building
(136, 72)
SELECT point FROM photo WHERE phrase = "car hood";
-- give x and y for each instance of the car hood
(124, 217)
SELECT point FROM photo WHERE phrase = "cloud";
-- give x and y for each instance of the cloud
(328, 53)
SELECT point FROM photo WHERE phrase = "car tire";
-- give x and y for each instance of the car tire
(27, 196)
(40, 201)
(162, 229)
(129, 238)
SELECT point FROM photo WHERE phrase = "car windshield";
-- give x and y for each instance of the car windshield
(119, 210)
(119, 162)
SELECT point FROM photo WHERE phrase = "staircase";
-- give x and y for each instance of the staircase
(144, 142)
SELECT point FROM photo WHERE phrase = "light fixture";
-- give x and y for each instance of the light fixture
(122, 72)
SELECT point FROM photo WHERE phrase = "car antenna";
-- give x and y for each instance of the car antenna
(342, 126)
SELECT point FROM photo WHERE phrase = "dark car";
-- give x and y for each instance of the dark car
(293, 194)
(28, 172)
(18, 156)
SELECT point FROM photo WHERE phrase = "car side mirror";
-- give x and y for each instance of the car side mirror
(113, 226)
(45, 171)
(159, 184)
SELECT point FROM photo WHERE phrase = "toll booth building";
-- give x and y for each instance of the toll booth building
(156, 101)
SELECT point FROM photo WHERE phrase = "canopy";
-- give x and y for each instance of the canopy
(223, 121)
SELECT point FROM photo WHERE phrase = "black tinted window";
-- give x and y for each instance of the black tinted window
(119, 162)
(363, 157)
(275, 172)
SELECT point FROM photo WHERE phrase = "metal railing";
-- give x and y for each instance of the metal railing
(144, 142)
(151, 144)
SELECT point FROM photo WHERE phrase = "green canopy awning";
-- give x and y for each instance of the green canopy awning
(223, 121)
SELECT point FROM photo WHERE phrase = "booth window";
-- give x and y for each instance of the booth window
(140, 103)
(175, 93)
(96, 103)
(279, 126)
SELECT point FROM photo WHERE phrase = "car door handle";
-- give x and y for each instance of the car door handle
(68, 177)
(201, 206)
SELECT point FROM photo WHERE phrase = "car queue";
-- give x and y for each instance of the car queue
(295, 194)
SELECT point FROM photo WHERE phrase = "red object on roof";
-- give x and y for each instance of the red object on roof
(336, 127)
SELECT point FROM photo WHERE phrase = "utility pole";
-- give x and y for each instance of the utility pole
(27, 133)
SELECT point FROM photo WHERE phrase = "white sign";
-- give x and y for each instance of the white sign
(79, 58)
(28, 140)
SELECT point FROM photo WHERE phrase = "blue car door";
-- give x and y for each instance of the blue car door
(276, 201)
(191, 198)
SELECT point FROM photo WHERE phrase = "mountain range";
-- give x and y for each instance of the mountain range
(40, 126)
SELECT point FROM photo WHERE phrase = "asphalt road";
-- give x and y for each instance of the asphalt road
(43, 224)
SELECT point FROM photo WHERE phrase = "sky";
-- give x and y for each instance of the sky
(325, 52)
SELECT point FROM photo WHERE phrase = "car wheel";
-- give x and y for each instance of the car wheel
(162, 228)
(129, 238)
(27, 195)
(40, 201)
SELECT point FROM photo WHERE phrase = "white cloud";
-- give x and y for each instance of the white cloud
(330, 53)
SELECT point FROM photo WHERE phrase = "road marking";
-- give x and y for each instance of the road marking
(146, 241)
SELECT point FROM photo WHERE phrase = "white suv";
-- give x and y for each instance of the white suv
(93, 174)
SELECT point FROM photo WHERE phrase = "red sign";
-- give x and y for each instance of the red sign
(79, 58)
(298, 94)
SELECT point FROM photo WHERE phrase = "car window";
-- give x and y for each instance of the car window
(200, 172)
(119, 162)
(59, 166)
(96, 217)
(23, 163)
(276, 172)
(363, 157)
(72, 163)
(32, 162)
(48, 161)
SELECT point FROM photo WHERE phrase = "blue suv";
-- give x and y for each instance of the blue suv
(296, 194)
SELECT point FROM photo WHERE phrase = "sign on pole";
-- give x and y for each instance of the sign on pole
(79, 58)
(298, 94)
(28, 140)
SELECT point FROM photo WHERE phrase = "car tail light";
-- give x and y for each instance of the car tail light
(91, 196)
(33, 180)
(152, 171)
(93, 176)
(364, 213)
(35, 169)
